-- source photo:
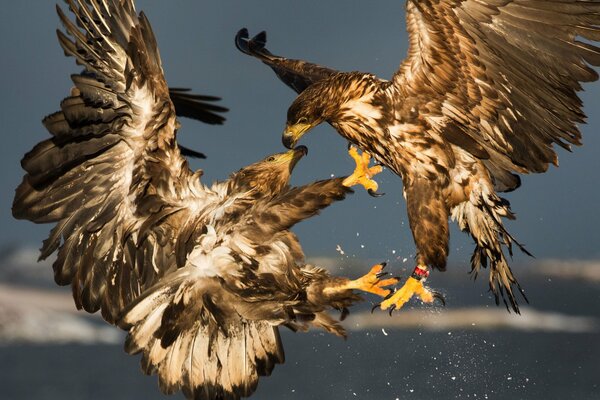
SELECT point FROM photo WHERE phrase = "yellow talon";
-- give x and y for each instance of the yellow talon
(412, 287)
(372, 283)
(362, 173)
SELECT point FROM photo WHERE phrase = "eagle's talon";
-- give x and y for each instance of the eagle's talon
(375, 307)
(382, 274)
(413, 287)
(390, 294)
(374, 193)
(372, 282)
(344, 313)
(440, 297)
(362, 173)
(392, 308)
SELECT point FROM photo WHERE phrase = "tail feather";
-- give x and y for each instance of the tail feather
(481, 217)
(190, 348)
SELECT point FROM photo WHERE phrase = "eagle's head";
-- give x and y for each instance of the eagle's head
(308, 110)
(270, 175)
(328, 100)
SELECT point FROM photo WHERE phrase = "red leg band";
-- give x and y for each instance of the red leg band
(420, 273)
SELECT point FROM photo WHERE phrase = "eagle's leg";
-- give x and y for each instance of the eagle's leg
(372, 282)
(362, 173)
(414, 286)
(428, 217)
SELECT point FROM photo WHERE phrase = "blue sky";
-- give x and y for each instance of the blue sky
(557, 211)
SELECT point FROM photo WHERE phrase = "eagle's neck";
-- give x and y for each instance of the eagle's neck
(364, 122)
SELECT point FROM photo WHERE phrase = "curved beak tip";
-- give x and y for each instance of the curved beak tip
(288, 140)
(302, 150)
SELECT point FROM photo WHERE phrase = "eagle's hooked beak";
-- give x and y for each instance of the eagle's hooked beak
(293, 133)
(297, 154)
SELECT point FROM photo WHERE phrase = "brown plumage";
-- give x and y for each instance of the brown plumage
(201, 276)
(487, 89)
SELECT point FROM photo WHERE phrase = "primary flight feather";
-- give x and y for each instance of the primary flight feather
(487, 89)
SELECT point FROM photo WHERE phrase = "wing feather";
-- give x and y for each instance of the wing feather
(297, 74)
(112, 164)
(508, 71)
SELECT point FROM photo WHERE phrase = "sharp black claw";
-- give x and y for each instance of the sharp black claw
(392, 308)
(344, 313)
(374, 193)
(349, 145)
(381, 274)
(383, 265)
(440, 297)
(374, 308)
(390, 294)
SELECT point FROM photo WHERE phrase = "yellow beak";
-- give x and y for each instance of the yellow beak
(293, 133)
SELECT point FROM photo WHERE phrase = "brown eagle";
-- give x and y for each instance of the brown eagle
(487, 89)
(201, 276)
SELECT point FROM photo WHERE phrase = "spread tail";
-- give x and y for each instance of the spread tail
(194, 344)
(482, 219)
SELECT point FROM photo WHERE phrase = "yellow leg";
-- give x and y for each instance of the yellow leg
(372, 282)
(362, 173)
(413, 287)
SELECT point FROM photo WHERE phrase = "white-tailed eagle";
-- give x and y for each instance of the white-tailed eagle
(487, 89)
(201, 276)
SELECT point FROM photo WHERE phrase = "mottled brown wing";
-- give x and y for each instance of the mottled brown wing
(110, 176)
(293, 206)
(297, 74)
(506, 72)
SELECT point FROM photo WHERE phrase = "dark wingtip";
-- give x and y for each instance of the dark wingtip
(254, 46)
(259, 40)
(241, 41)
(191, 153)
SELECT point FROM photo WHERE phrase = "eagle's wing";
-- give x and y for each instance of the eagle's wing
(297, 74)
(504, 72)
(111, 176)
(197, 106)
(282, 212)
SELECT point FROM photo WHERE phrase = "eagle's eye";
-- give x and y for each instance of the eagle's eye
(302, 120)
(271, 159)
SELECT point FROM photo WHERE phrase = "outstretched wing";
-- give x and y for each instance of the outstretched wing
(504, 72)
(282, 212)
(111, 176)
(297, 74)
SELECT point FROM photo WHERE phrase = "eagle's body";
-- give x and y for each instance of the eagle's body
(487, 89)
(201, 276)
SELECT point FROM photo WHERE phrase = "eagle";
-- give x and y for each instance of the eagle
(486, 91)
(200, 276)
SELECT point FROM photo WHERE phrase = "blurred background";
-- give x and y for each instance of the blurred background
(470, 349)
